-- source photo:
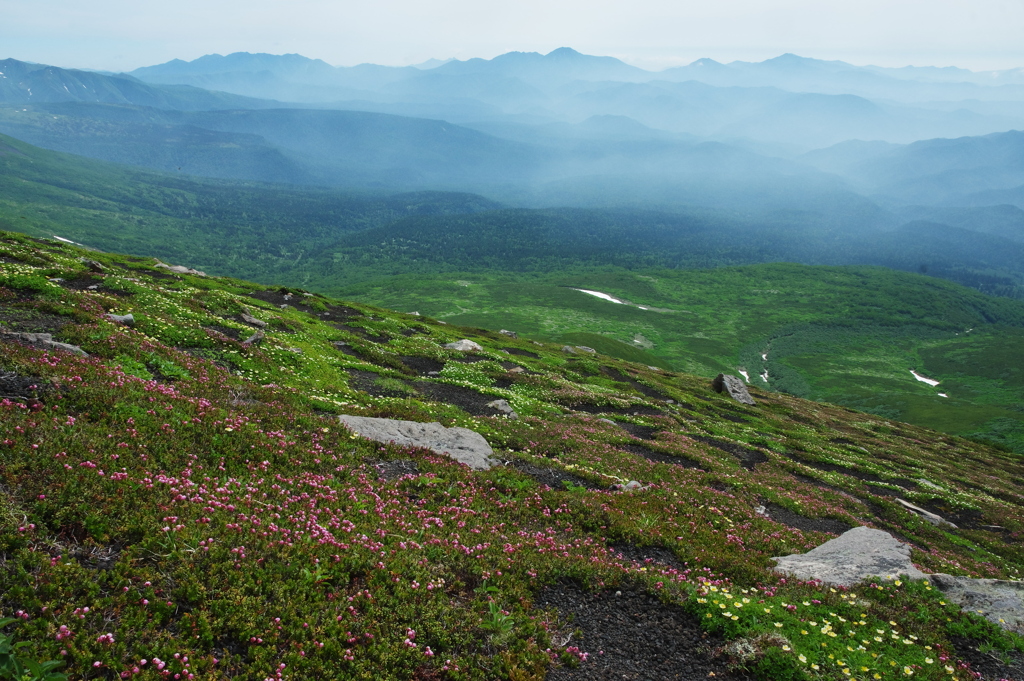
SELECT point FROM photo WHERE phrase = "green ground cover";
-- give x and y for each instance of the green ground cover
(183, 503)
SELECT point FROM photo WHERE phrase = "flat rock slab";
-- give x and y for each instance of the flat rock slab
(734, 386)
(851, 557)
(999, 601)
(462, 444)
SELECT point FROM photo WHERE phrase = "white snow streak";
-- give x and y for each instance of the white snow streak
(924, 379)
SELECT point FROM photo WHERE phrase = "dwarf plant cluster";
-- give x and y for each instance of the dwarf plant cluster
(182, 503)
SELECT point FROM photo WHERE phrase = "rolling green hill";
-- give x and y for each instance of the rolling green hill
(847, 335)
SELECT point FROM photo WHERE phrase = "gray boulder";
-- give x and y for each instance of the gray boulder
(568, 349)
(504, 407)
(510, 334)
(252, 321)
(584, 348)
(126, 319)
(464, 345)
(44, 341)
(464, 445)
(999, 601)
(849, 558)
(255, 339)
(734, 386)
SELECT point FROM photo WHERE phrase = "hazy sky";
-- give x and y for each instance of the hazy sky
(654, 34)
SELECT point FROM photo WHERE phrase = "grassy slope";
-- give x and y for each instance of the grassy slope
(843, 335)
(184, 499)
(235, 228)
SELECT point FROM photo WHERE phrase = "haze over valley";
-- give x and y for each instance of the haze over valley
(285, 169)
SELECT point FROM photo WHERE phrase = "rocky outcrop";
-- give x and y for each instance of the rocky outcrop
(999, 601)
(464, 445)
(504, 407)
(126, 319)
(44, 341)
(464, 345)
(851, 557)
(734, 386)
(252, 321)
(179, 269)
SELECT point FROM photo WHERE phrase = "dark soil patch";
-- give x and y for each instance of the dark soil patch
(647, 555)
(735, 418)
(783, 515)
(422, 365)
(863, 476)
(843, 441)
(659, 457)
(637, 385)
(82, 283)
(632, 410)
(230, 332)
(345, 349)
(31, 321)
(552, 477)
(504, 383)
(990, 665)
(466, 399)
(160, 275)
(14, 386)
(964, 518)
(366, 381)
(817, 483)
(748, 457)
(97, 557)
(638, 431)
(632, 635)
(396, 468)
(521, 353)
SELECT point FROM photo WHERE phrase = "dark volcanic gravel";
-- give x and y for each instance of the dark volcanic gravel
(783, 515)
(989, 665)
(632, 636)
(638, 431)
(648, 555)
(748, 457)
(470, 401)
(552, 477)
(659, 457)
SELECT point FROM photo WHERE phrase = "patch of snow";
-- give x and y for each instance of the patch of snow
(924, 379)
(602, 296)
(643, 308)
(764, 376)
(764, 356)
(67, 241)
(745, 375)
(943, 395)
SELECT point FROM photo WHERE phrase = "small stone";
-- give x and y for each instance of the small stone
(93, 265)
(510, 334)
(255, 339)
(569, 349)
(934, 519)
(415, 314)
(94, 287)
(464, 345)
(632, 484)
(249, 319)
(584, 348)
(126, 319)
(516, 370)
(504, 407)
(297, 351)
(608, 421)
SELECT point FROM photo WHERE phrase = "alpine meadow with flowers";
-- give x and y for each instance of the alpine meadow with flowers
(178, 500)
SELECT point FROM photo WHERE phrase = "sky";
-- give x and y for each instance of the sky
(120, 35)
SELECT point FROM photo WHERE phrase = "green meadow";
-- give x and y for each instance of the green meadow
(846, 335)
